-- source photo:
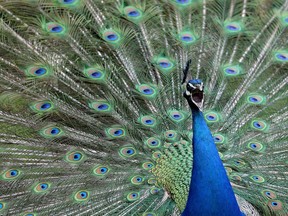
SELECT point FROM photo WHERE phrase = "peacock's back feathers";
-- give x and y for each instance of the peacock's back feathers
(93, 121)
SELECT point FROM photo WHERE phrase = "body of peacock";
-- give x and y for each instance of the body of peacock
(93, 120)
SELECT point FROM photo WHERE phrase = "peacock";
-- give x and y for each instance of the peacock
(143, 107)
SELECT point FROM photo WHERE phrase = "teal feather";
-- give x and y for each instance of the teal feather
(92, 115)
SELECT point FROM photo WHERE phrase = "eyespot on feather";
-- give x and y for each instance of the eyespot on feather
(101, 170)
(187, 38)
(96, 74)
(239, 163)
(74, 157)
(171, 135)
(42, 106)
(11, 174)
(116, 132)
(133, 14)
(177, 116)
(256, 99)
(38, 71)
(281, 56)
(233, 28)
(51, 132)
(212, 117)
(112, 37)
(148, 121)
(81, 195)
(127, 152)
(275, 205)
(257, 178)
(153, 142)
(147, 91)
(55, 28)
(101, 106)
(69, 2)
(165, 65)
(259, 125)
(152, 181)
(256, 146)
(219, 138)
(148, 165)
(42, 187)
(232, 70)
(149, 214)
(133, 196)
(29, 214)
(182, 3)
(235, 177)
(2, 206)
(137, 180)
(154, 190)
(156, 155)
(269, 194)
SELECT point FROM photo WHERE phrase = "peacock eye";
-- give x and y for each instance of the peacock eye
(133, 196)
(81, 196)
(44, 186)
(40, 71)
(230, 71)
(148, 91)
(182, 1)
(147, 165)
(282, 57)
(111, 36)
(127, 152)
(77, 156)
(165, 64)
(54, 28)
(231, 27)
(41, 187)
(13, 173)
(187, 38)
(154, 190)
(133, 13)
(149, 121)
(103, 107)
(257, 178)
(137, 180)
(45, 106)
(100, 170)
(210, 117)
(96, 74)
(69, 1)
(118, 132)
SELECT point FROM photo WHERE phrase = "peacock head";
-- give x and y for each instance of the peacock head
(195, 93)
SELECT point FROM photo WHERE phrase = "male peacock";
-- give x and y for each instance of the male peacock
(93, 118)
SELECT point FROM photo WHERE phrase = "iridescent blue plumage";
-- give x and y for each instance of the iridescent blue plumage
(210, 190)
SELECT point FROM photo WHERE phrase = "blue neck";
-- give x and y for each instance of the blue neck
(210, 191)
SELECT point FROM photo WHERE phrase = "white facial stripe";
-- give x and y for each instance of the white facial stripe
(191, 85)
(201, 87)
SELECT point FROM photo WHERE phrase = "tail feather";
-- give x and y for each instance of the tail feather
(93, 119)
